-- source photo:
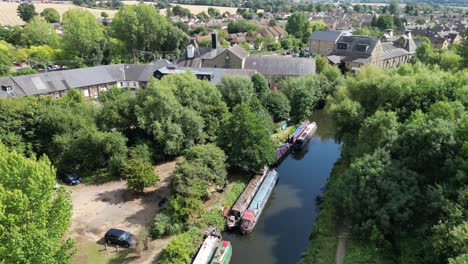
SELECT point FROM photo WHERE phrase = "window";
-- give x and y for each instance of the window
(342, 46)
(121, 84)
(362, 47)
(86, 93)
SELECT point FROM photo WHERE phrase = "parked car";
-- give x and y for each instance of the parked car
(119, 237)
(69, 178)
(163, 201)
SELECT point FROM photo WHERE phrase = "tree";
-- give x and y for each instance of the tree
(303, 94)
(385, 21)
(297, 25)
(272, 23)
(51, 15)
(139, 174)
(462, 50)
(260, 85)
(394, 8)
(26, 11)
(179, 111)
(5, 60)
(141, 27)
(39, 32)
(82, 37)
(32, 210)
(211, 157)
(277, 105)
(236, 90)
(213, 12)
(246, 140)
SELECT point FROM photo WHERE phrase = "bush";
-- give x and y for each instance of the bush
(139, 175)
(159, 227)
(182, 248)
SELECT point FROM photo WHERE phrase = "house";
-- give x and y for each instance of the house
(322, 42)
(353, 52)
(275, 68)
(276, 33)
(441, 37)
(94, 80)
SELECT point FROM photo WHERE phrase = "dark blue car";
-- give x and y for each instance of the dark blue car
(70, 178)
(119, 237)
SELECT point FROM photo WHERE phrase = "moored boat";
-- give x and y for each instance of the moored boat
(305, 136)
(223, 253)
(282, 151)
(251, 216)
(208, 248)
(237, 211)
(297, 133)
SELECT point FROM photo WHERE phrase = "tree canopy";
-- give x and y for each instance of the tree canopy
(51, 15)
(83, 37)
(236, 90)
(33, 217)
(26, 11)
(246, 141)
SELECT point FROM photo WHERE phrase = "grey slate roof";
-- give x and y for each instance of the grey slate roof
(216, 73)
(354, 41)
(239, 51)
(325, 35)
(392, 51)
(15, 89)
(285, 66)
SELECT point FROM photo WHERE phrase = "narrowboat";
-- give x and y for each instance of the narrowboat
(282, 152)
(208, 248)
(306, 135)
(237, 211)
(295, 135)
(223, 253)
(251, 216)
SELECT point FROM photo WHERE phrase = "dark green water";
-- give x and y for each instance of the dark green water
(282, 233)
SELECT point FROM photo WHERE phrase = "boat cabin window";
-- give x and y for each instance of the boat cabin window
(245, 222)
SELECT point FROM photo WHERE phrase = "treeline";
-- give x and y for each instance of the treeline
(138, 33)
(401, 182)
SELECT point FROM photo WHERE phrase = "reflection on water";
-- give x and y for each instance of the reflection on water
(283, 230)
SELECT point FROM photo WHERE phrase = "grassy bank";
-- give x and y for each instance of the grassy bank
(280, 136)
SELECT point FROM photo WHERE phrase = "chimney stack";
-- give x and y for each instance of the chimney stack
(214, 39)
(390, 32)
(408, 33)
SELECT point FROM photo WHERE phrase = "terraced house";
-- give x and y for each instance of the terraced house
(353, 52)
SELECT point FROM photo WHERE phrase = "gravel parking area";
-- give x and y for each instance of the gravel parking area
(96, 208)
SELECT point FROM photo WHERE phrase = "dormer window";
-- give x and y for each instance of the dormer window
(6, 88)
(342, 46)
(362, 47)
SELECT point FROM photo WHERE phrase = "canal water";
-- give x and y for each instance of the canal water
(282, 233)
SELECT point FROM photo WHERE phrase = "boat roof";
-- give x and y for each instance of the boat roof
(248, 215)
(206, 250)
(299, 129)
(263, 191)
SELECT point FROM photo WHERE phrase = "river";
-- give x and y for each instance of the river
(282, 233)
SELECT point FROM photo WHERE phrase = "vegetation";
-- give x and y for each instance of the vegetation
(51, 15)
(277, 105)
(26, 11)
(139, 174)
(246, 140)
(236, 90)
(402, 172)
(27, 196)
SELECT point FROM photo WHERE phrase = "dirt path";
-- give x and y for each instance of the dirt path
(341, 249)
(96, 208)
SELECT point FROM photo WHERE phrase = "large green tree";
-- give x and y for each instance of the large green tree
(83, 37)
(139, 174)
(33, 217)
(277, 105)
(39, 32)
(260, 85)
(51, 15)
(26, 11)
(246, 140)
(141, 27)
(236, 90)
(303, 94)
(297, 25)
